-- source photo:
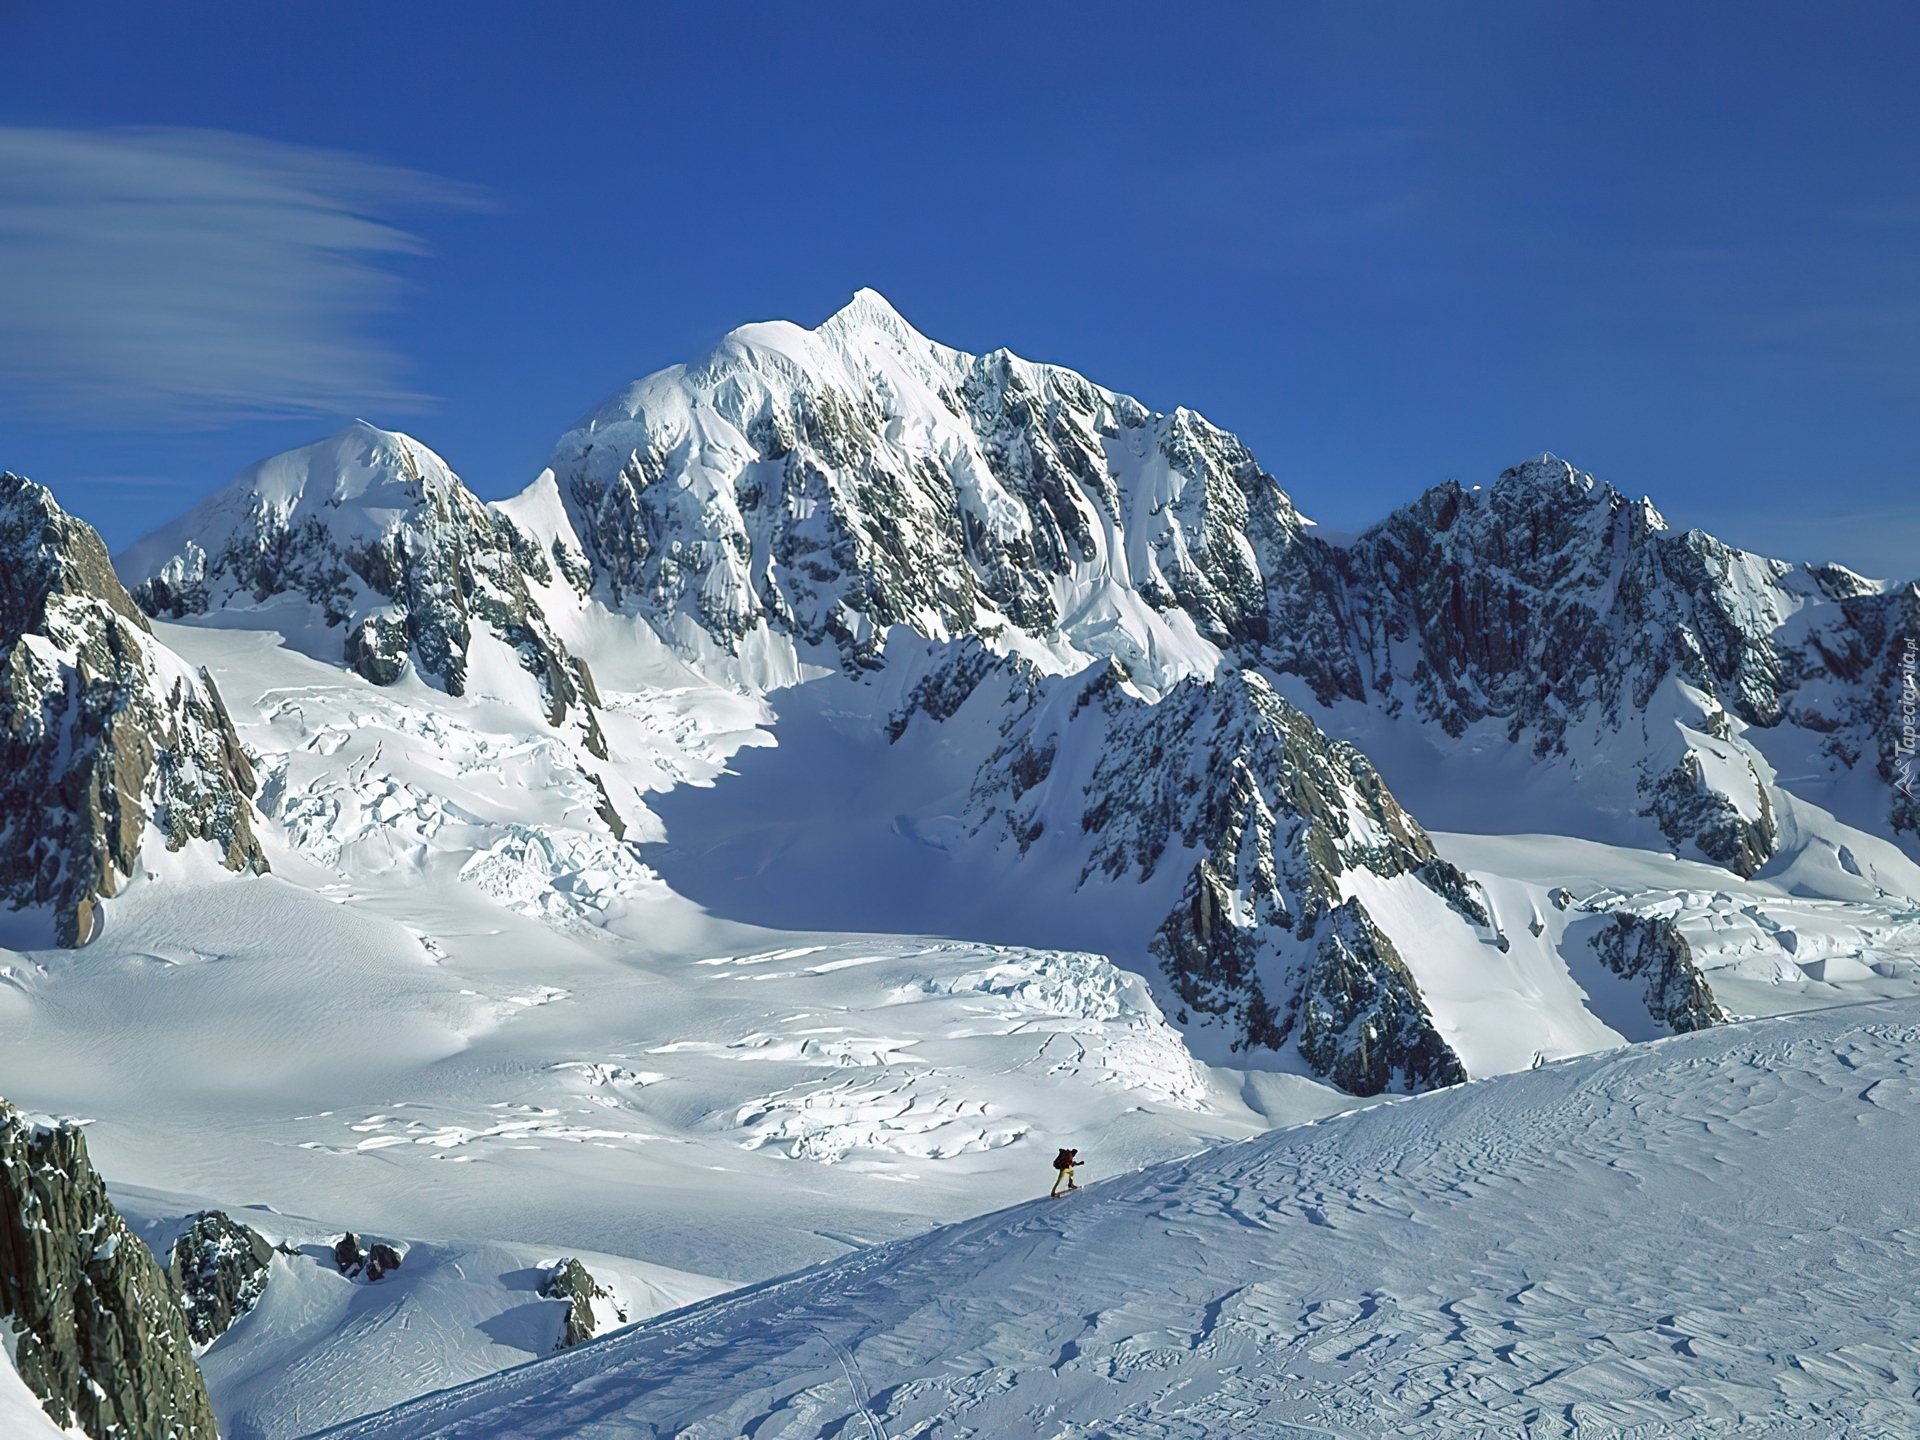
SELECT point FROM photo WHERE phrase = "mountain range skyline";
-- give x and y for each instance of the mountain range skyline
(1672, 254)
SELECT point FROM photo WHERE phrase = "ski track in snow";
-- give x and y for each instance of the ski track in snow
(1708, 1235)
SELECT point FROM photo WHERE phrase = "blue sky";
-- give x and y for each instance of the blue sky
(1386, 244)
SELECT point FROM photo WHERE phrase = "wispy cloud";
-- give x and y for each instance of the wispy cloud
(167, 277)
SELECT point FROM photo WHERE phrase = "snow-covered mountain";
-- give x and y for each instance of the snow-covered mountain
(799, 503)
(808, 490)
(1554, 613)
(851, 770)
(805, 491)
(794, 495)
(388, 550)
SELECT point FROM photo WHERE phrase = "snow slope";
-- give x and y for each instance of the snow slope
(1709, 1235)
(459, 1014)
(21, 1417)
(321, 1348)
(775, 836)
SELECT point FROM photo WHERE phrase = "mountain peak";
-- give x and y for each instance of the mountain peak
(355, 462)
(868, 307)
(1547, 471)
(358, 480)
(48, 553)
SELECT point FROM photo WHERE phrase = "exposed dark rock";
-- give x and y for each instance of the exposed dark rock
(374, 1260)
(570, 1281)
(1362, 1023)
(381, 1260)
(1464, 894)
(219, 1270)
(378, 647)
(951, 682)
(1861, 687)
(98, 1335)
(1279, 813)
(1651, 946)
(103, 732)
(1687, 808)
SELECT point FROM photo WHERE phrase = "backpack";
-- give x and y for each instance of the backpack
(1065, 1160)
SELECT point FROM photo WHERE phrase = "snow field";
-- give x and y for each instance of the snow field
(1713, 1234)
(21, 1417)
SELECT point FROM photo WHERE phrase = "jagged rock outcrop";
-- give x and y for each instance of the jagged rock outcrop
(373, 530)
(374, 1261)
(1362, 1023)
(104, 733)
(1553, 605)
(219, 1269)
(1651, 947)
(1858, 675)
(1550, 593)
(587, 1301)
(955, 674)
(94, 1328)
(1267, 941)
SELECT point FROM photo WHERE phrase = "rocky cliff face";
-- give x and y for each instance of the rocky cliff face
(95, 1330)
(1651, 948)
(1272, 823)
(1856, 685)
(1568, 615)
(391, 550)
(588, 1302)
(105, 735)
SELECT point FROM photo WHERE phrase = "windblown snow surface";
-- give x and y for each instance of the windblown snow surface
(1707, 1235)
